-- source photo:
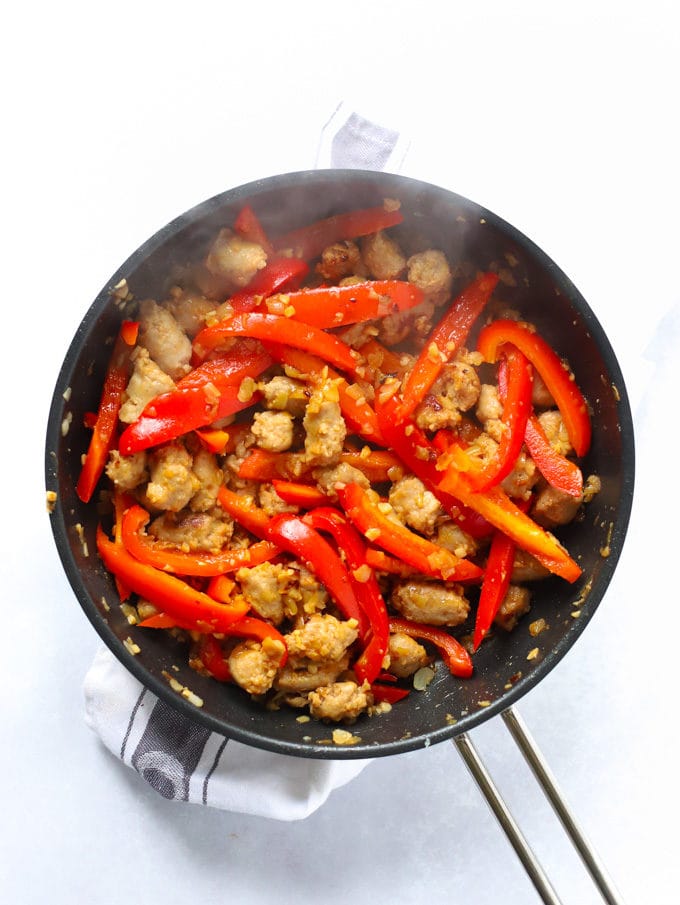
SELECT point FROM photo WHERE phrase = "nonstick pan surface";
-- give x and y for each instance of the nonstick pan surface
(541, 292)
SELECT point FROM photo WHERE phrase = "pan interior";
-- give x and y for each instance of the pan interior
(535, 286)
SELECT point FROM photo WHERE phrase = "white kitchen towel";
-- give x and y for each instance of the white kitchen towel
(177, 758)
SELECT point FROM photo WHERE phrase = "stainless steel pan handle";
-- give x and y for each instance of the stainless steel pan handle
(546, 781)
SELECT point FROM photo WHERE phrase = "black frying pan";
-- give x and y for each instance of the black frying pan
(544, 295)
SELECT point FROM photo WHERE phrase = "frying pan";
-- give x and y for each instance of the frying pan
(532, 283)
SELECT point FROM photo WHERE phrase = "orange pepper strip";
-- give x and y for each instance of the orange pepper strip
(445, 341)
(378, 465)
(277, 329)
(557, 378)
(153, 553)
(303, 495)
(244, 511)
(220, 588)
(381, 562)
(169, 594)
(395, 538)
(381, 360)
(357, 412)
(499, 510)
(103, 437)
(265, 465)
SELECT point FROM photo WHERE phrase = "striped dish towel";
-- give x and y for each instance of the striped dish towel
(177, 758)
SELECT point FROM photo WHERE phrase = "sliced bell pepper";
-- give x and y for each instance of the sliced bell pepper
(388, 693)
(325, 518)
(212, 657)
(309, 241)
(266, 465)
(336, 306)
(246, 358)
(420, 456)
(560, 472)
(243, 510)
(178, 412)
(278, 330)
(214, 440)
(220, 587)
(291, 533)
(378, 465)
(557, 377)
(277, 275)
(304, 495)
(445, 341)
(381, 360)
(400, 541)
(495, 584)
(247, 224)
(103, 437)
(179, 562)
(499, 510)
(168, 593)
(357, 412)
(453, 653)
(516, 410)
(382, 562)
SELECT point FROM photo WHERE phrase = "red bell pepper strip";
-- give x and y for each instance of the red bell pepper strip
(279, 330)
(277, 275)
(246, 358)
(445, 340)
(516, 411)
(388, 693)
(499, 510)
(558, 379)
(169, 594)
(560, 472)
(291, 533)
(357, 412)
(179, 562)
(304, 495)
(103, 437)
(453, 653)
(212, 657)
(381, 360)
(420, 456)
(249, 227)
(309, 241)
(400, 541)
(495, 584)
(178, 412)
(325, 518)
(336, 306)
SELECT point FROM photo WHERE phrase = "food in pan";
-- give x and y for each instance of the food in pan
(333, 459)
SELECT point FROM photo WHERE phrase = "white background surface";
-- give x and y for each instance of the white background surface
(562, 119)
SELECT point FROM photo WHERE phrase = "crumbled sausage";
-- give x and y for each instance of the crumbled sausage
(193, 531)
(489, 405)
(382, 256)
(456, 390)
(342, 473)
(526, 567)
(283, 393)
(263, 587)
(127, 472)
(172, 480)
(321, 638)
(452, 537)
(189, 309)
(273, 430)
(271, 502)
(341, 259)
(340, 701)
(554, 507)
(516, 603)
(429, 270)
(324, 425)
(167, 343)
(235, 260)
(519, 483)
(556, 432)
(254, 664)
(431, 602)
(209, 475)
(146, 382)
(406, 655)
(415, 505)
(306, 676)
